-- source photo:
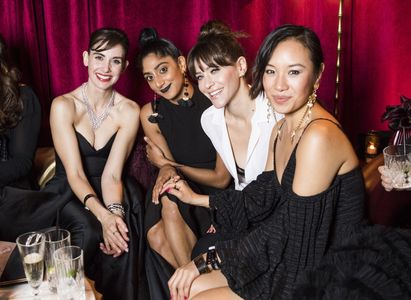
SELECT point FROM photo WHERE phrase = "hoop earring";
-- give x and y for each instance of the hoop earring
(185, 101)
(155, 116)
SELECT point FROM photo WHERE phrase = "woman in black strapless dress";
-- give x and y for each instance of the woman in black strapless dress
(93, 130)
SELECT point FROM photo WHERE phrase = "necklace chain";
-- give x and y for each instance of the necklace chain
(95, 119)
(304, 119)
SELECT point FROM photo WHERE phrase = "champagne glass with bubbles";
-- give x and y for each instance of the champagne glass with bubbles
(31, 248)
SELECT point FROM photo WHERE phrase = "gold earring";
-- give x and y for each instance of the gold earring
(312, 99)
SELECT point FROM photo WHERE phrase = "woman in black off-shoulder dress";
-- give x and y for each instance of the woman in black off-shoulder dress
(304, 215)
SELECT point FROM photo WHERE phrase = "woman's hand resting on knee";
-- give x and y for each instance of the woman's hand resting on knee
(164, 175)
(179, 188)
(115, 234)
(181, 281)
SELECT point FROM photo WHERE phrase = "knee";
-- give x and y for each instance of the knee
(85, 231)
(156, 237)
(170, 212)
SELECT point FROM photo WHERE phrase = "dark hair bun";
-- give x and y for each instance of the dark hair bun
(216, 27)
(147, 35)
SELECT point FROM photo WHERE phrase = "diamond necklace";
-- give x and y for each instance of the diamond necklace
(95, 119)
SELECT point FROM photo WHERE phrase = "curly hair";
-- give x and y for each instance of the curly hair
(11, 105)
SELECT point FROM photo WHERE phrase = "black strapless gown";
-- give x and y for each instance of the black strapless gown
(21, 211)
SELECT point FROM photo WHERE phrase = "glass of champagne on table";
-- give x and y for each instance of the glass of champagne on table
(31, 248)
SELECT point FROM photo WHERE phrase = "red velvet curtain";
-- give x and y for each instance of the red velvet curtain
(47, 38)
(376, 61)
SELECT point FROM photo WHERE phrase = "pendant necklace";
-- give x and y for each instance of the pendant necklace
(303, 121)
(95, 119)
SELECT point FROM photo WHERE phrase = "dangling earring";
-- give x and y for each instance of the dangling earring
(310, 103)
(307, 114)
(270, 111)
(185, 101)
(155, 116)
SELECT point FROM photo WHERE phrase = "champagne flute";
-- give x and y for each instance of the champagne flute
(56, 238)
(31, 248)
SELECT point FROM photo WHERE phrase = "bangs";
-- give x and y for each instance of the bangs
(209, 54)
(102, 44)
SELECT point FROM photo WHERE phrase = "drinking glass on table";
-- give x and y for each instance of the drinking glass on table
(31, 248)
(69, 268)
(56, 238)
(397, 160)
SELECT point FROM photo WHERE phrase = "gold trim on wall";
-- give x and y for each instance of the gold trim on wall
(337, 76)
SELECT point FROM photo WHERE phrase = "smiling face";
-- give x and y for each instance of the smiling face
(219, 83)
(289, 76)
(105, 67)
(164, 75)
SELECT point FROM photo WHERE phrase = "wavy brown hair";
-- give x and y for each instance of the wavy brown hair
(11, 106)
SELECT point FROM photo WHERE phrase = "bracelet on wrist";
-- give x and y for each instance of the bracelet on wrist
(86, 197)
(212, 259)
(116, 208)
(201, 265)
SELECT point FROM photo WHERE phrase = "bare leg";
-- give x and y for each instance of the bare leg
(157, 240)
(224, 293)
(206, 282)
(179, 235)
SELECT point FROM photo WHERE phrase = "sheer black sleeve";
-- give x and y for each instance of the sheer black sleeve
(236, 211)
(22, 140)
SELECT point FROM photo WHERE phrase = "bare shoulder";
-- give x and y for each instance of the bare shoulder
(127, 108)
(64, 103)
(325, 141)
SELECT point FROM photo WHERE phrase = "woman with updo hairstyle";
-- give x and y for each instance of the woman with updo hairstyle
(238, 125)
(176, 144)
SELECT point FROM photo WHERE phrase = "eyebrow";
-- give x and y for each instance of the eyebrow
(207, 67)
(290, 66)
(99, 53)
(156, 67)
